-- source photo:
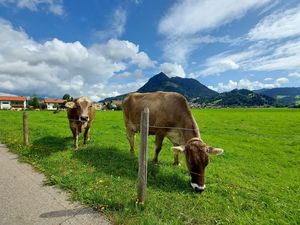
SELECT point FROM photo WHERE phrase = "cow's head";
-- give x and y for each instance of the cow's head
(83, 106)
(196, 154)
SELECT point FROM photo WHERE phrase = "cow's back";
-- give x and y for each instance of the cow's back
(167, 109)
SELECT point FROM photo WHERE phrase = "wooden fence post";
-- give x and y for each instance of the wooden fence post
(25, 129)
(142, 176)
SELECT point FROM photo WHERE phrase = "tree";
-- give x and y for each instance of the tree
(67, 97)
(43, 106)
(34, 102)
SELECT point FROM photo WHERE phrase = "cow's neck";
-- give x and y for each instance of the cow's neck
(182, 136)
(192, 131)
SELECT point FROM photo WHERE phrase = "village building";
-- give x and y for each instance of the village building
(13, 102)
(54, 104)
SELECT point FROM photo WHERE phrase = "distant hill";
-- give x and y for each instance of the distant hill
(288, 95)
(188, 87)
(241, 98)
(118, 97)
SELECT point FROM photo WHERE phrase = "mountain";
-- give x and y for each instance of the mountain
(240, 98)
(202, 96)
(285, 95)
(190, 88)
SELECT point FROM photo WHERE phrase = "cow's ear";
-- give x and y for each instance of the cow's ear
(214, 151)
(178, 149)
(70, 105)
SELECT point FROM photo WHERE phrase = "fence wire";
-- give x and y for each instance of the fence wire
(277, 137)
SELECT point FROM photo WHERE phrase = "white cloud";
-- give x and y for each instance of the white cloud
(99, 91)
(137, 74)
(185, 20)
(250, 85)
(285, 56)
(117, 50)
(142, 60)
(267, 53)
(294, 75)
(53, 6)
(55, 67)
(178, 49)
(189, 17)
(172, 69)
(281, 81)
(261, 56)
(218, 66)
(269, 7)
(115, 26)
(119, 21)
(278, 25)
(221, 87)
(268, 79)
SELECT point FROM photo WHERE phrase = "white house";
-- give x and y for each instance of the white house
(52, 104)
(12, 102)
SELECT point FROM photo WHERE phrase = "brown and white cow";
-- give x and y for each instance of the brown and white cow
(168, 112)
(81, 113)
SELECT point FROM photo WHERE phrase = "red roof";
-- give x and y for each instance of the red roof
(48, 100)
(12, 98)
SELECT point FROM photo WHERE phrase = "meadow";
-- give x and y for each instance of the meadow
(255, 181)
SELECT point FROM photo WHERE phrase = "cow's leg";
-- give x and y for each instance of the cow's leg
(76, 140)
(73, 132)
(158, 143)
(75, 136)
(86, 135)
(176, 159)
(131, 139)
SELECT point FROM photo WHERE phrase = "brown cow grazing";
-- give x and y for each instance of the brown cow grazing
(168, 112)
(81, 113)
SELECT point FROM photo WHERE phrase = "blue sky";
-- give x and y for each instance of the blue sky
(109, 47)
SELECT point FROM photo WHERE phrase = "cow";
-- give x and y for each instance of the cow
(81, 114)
(171, 117)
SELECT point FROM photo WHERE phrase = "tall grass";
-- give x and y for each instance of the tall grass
(256, 180)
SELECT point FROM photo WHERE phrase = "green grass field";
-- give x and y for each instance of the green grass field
(256, 180)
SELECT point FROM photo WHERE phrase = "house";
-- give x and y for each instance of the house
(54, 104)
(99, 106)
(12, 102)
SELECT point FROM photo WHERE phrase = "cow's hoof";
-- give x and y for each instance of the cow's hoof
(197, 188)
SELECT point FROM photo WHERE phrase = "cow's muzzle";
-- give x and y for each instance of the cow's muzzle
(198, 188)
(84, 118)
